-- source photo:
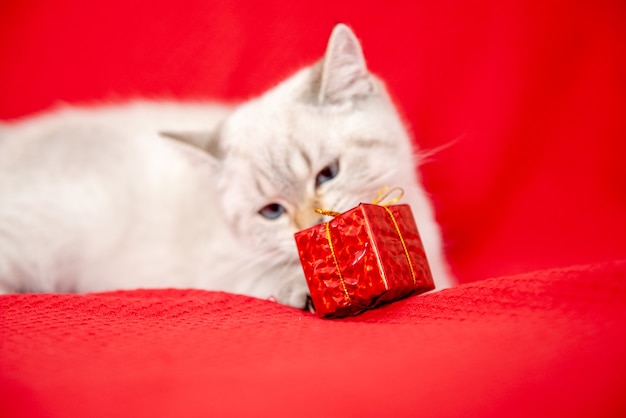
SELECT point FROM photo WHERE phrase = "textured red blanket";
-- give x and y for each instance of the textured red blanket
(542, 344)
(530, 96)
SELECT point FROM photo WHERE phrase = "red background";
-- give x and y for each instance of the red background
(531, 97)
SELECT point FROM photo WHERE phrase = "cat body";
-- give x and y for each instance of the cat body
(157, 194)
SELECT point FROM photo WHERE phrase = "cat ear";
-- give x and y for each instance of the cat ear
(194, 142)
(344, 72)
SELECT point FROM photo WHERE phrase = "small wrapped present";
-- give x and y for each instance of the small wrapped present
(364, 257)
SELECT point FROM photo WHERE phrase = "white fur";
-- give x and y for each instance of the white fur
(95, 199)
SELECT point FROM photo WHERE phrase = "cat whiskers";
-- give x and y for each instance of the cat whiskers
(426, 156)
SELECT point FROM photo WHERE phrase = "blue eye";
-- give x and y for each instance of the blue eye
(272, 211)
(328, 173)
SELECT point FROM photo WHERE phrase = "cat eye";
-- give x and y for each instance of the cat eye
(272, 211)
(328, 173)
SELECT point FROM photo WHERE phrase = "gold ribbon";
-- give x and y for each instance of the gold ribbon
(406, 251)
(383, 193)
(332, 250)
(327, 212)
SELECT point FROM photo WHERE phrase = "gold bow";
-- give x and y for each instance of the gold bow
(382, 194)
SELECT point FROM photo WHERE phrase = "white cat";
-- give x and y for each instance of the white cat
(94, 199)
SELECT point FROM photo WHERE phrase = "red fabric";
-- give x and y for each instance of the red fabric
(529, 95)
(545, 344)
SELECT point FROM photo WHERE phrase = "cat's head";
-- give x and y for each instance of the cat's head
(328, 137)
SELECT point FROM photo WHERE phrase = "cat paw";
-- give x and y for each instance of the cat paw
(300, 299)
(296, 296)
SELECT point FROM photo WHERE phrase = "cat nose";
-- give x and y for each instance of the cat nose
(306, 218)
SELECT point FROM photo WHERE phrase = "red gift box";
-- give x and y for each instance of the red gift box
(364, 257)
